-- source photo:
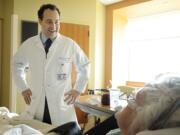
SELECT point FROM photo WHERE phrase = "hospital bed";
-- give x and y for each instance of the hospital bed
(12, 123)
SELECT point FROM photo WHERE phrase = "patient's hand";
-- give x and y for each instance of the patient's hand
(27, 96)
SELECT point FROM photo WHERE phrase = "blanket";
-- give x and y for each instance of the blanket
(22, 129)
(14, 124)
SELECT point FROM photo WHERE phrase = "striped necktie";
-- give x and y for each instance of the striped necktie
(47, 45)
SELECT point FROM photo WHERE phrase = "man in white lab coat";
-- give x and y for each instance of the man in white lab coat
(49, 93)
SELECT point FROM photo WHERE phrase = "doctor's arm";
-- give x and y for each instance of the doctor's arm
(19, 64)
(81, 63)
(80, 84)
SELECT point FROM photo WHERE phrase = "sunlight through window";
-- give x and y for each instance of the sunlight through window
(151, 46)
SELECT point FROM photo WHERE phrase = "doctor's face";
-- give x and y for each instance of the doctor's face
(50, 23)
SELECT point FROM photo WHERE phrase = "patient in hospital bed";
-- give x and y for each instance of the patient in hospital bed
(145, 110)
(150, 102)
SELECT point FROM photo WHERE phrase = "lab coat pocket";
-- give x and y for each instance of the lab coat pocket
(64, 68)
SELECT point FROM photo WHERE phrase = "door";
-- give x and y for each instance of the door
(79, 33)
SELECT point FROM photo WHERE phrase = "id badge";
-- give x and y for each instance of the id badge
(61, 76)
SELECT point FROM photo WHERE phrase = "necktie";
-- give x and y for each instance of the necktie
(47, 45)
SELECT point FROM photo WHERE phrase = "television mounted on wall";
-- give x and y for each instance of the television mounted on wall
(28, 29)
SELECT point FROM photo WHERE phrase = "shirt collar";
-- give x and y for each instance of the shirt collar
(44, 38)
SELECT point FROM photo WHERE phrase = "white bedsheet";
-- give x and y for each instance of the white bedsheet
(14, 124)
(22, 130)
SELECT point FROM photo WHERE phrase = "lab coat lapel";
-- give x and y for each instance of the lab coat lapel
(39, 43)
(52, 51)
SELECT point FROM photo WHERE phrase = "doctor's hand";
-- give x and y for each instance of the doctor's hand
(71, 96)
(27, 96)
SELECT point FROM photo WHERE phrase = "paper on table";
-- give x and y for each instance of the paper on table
(94, 100)
(115, 99)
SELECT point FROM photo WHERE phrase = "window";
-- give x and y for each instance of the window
(151, 46)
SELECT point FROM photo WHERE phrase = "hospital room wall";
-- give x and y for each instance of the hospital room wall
(6, 12)
(89, 12)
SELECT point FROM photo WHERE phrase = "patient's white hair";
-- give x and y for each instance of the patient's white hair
(158, 96)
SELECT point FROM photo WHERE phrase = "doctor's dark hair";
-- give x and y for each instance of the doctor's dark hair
(44, 7)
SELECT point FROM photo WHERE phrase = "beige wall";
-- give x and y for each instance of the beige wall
(100, 46)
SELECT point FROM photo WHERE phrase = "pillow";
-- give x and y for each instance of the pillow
(167, 131)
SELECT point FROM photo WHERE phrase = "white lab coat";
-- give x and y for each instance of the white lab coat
(51, 76)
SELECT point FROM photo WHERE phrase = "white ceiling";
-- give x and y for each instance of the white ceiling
(150, 7)
(108, 2)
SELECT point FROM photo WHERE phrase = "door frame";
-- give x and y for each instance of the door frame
(14, 47)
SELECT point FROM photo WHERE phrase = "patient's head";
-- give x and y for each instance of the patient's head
(153, 99)
(164, 85)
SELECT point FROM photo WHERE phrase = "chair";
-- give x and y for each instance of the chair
(135, 84)
(82, 118)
